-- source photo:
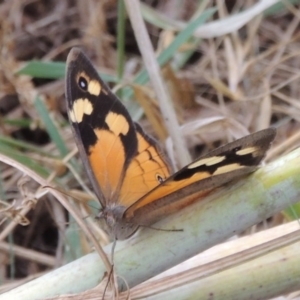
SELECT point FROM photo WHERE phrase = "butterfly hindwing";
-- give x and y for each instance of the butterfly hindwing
(212, 170)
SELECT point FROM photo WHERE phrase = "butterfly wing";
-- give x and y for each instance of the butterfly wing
(120, 159)
(197, 179)
(125, 165)
(146, 170)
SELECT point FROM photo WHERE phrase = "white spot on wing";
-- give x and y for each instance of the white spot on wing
(117, 123)
(246, 151)
(209, 161)
(80, 108)
(228, 168)
(94, 87)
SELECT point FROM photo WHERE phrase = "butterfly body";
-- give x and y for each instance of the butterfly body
(130, 175)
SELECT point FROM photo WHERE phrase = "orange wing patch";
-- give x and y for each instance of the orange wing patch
(146, 171)
(168, 188)
(107, 158)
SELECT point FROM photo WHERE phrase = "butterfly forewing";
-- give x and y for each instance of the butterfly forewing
(115, 150)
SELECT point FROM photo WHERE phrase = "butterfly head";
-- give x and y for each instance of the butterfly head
(116, 224)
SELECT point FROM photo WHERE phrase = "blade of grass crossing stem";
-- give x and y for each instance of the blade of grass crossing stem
(4, 140)
(53, 132)
(24, 159)
(50, 126)
(18, 122)
(42, 69)
(52, 70)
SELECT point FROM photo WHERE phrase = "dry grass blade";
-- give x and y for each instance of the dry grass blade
(29, 254)
(233, 23)
(62, 200)
(151, 64)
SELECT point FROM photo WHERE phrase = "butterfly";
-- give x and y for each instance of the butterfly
(130, 176)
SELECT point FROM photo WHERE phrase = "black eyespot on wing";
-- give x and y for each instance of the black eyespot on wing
(82, 83)
(159, 178)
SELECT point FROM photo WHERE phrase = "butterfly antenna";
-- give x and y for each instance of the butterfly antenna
(113, 251)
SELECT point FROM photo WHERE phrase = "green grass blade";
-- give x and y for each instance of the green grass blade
(24, 159)
(18, 122)
(52, 70)
(50, 126)
(22, 145)
(40, 69)
(121, 38)
(180, 39)
(158, 19)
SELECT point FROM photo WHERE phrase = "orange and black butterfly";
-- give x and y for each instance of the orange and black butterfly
(130, 175)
